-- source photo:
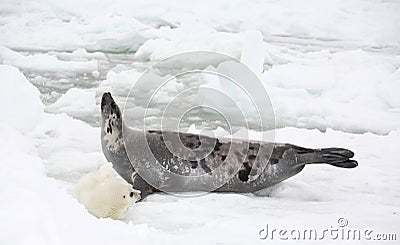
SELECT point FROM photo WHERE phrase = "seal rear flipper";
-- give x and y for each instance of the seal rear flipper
(345, 164)
(337, 157)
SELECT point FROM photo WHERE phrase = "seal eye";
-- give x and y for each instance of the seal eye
(113, 106)
(123, 196)
(131, 194)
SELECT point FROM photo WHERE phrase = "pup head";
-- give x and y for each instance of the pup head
(104, 195)
(113, 198)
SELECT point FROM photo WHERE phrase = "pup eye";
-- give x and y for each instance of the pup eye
(131, 194)
(123, 196)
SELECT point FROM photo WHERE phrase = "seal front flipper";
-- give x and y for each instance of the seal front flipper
(140, 184)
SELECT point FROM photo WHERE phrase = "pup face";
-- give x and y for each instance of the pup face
(121, 192)
(117, 197)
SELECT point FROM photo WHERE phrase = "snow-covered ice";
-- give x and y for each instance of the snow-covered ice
(22, 106)
(253, 51)
(45, 62)
(332, 71)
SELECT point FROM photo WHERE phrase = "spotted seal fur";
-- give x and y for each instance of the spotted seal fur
(255, 172)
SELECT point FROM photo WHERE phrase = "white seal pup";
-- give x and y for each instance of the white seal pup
(103, 195)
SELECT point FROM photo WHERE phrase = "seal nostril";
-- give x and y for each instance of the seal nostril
(106, 98)
(131, 194)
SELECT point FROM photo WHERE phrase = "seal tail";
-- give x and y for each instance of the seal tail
(337, 157)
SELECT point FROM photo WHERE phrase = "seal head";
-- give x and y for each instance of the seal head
(112, 140)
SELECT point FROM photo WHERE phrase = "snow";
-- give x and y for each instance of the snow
(22, 107)
(68, 147)
(111, 25)
(253, 51)
(347, 90)
(331, 70)
(45, 62)
(117, 81)
(76, 103)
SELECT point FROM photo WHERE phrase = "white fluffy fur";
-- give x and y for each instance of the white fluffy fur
(104, 195)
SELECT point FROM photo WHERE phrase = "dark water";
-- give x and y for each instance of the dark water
(52, 85)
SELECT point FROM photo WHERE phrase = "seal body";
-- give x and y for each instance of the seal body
(226, 165)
